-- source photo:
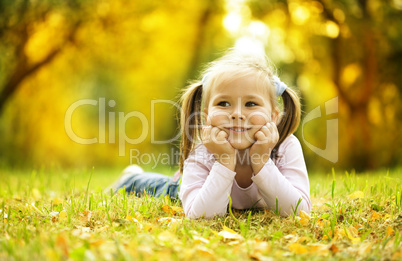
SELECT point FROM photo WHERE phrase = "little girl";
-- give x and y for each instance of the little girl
(235, 142)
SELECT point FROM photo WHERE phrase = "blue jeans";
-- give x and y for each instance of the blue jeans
(154, 184)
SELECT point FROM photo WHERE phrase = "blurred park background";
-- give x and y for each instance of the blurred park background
(124, 54)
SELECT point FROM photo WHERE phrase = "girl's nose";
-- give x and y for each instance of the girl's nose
(237, 115)
(241, 117)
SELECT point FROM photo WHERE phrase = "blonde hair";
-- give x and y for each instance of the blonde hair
(230, 67)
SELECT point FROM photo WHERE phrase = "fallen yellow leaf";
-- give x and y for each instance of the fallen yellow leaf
(334, 248)
(350, 233)
(63, 215)
(173, 210)
(148, 227)
(167, 209)
(229, 230)
(375, 215)
(130, 218)
(356, 194)
(97, 243)
(198, 240)
(304, 218)
(303, 240)
(85, 217)
(229, 234)
(205, 252)
(297, 248)
(57, 201)
(318, 249)
(168, 220)
(390, 231)
(353, 235)
(215, 233)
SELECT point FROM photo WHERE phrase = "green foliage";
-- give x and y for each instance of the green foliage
(54, 53)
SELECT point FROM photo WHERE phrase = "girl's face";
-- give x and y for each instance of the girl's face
(240, 109)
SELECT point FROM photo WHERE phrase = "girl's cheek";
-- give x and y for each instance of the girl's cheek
(259, 119)
(218, 118)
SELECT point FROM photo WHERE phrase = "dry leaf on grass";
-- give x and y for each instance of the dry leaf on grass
(198, 240)
(229, 235)
(303, 240)
(375, 215)
(85, 217)
(168, 221)
(390, 231)
(334, 249)
(356, 195)
(318, 249)
(297, 248)
(349, 233)
(173, 210)
(56, 201)
(304, 218)
(63, 215)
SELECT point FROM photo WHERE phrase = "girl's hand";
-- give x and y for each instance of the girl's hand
(265, 140)
(215, 140)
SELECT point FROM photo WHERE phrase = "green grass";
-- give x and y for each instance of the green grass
(63, 215)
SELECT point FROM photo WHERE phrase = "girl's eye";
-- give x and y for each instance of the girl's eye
(250, 104)
(223, 104)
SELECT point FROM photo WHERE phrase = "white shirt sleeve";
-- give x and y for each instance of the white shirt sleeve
(206, 184)
(286, 181)
(205, 189)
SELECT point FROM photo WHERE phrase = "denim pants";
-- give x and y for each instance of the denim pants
(153, 184)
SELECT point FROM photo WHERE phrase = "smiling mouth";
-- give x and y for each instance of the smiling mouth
(238, 129)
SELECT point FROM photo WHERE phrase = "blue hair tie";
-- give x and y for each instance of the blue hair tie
(279, 85)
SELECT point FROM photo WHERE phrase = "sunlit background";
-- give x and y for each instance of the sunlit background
(124, 55)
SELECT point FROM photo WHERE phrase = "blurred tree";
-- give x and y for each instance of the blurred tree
(351, 49)
(19, 25)
(128, 53)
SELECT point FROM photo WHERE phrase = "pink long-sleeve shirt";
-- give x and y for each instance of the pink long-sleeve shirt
(206, 184)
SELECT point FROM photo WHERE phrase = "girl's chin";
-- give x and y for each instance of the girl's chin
(240, 145)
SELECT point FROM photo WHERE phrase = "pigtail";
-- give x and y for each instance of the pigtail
(190, 120)
(290, 119)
